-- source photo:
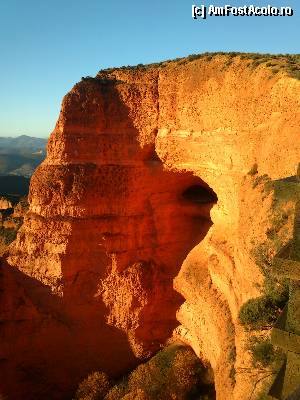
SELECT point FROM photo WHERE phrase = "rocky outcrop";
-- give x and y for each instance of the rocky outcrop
(139, 166)
(11, 218)
(5, 203)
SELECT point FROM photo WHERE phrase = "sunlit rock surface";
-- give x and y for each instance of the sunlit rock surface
(145, 181)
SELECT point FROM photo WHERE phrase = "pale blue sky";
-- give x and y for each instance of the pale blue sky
(47, 46)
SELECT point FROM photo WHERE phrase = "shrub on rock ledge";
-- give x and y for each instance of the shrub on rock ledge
(264, 354)
(259, 313)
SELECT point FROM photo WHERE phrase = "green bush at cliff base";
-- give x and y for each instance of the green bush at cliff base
(173, 373)
(94, 387)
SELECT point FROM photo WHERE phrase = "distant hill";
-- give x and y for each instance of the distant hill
(21, 155)
(23, 144)
(14, 187)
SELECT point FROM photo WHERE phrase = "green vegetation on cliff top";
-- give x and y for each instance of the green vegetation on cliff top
(287, 63)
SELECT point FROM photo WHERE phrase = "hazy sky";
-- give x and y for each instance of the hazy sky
(46, 46)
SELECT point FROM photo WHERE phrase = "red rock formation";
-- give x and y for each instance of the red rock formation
(110, 221)
(108, 229)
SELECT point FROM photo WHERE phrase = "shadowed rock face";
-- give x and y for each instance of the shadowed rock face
(123, 204)
(107, 231)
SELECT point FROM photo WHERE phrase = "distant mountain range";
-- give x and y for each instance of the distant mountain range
(21, 155)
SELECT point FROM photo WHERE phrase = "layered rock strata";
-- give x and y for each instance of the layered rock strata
(134, 165)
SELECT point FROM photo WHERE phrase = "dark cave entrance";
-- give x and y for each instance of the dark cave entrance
(197, 200)
(198, 194)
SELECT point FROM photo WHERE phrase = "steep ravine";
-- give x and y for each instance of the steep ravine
(140, 164)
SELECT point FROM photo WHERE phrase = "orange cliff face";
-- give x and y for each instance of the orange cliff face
(139, 166)
(107, 231)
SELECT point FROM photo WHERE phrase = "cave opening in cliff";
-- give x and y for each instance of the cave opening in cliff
(198, 194)
(197, 200)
